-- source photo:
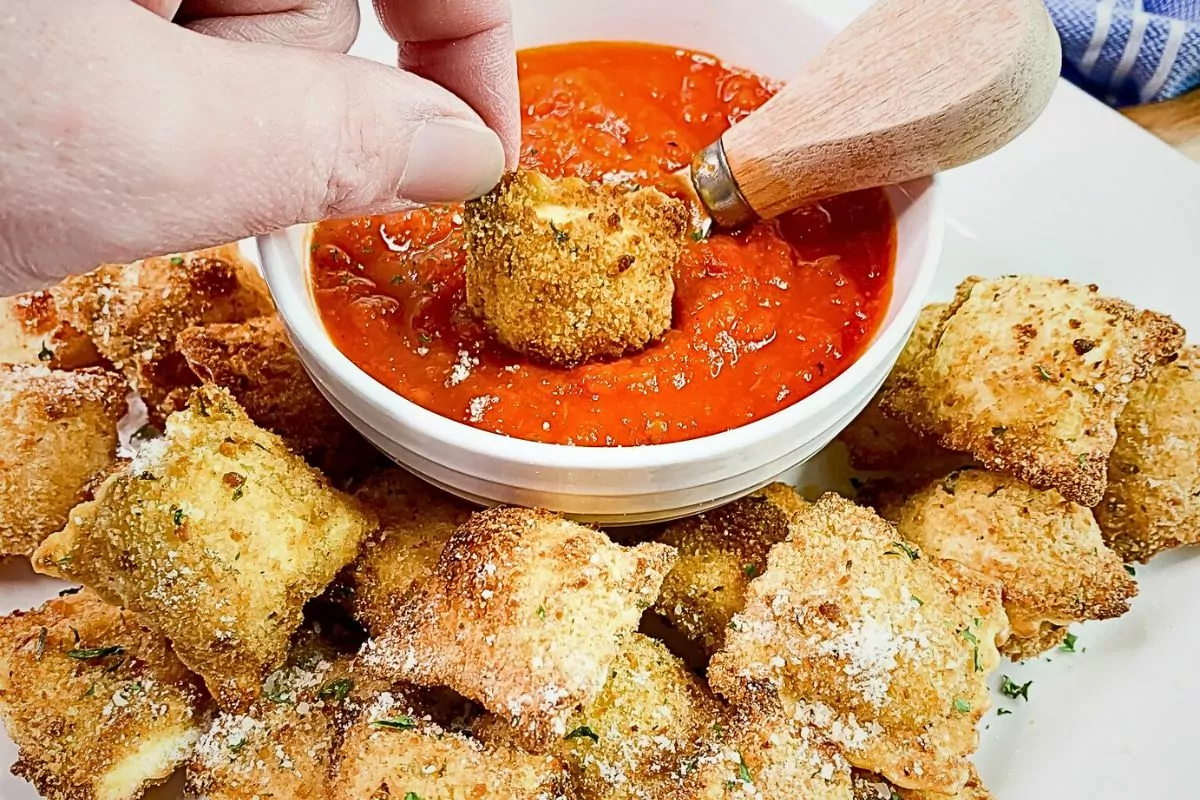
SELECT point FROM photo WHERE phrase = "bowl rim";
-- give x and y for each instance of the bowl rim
(296, 307)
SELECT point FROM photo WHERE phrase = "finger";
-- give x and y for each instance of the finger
(466, 46)
(245, 138)
(163, 8)
(320, 24)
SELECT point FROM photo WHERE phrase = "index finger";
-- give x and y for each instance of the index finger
(467, 47)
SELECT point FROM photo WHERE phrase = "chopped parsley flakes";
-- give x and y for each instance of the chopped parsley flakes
(401, 723)
(1068, 645)
(337, 690)
(961, 706)
(92, 653)
(583, 732)
(1010, 689)
(912, 552)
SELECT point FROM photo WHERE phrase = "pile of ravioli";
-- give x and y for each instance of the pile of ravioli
(270, 610)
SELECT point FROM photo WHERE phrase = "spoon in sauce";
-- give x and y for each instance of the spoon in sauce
(909, 89)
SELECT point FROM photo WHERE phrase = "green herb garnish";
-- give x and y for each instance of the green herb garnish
(1044, 373)
(743, 771)
(1001, 712)
(177, 516)
(92, 653)
(751, 570)
(912, 553)
(396, 280)
(337, 690)
(697, 236)
(176, 261)
(583, 732)
(560, 236)
(45, 354)
(961, 706)
(1068, 645)
(1129, 568)
(999, 431)
(1010, 689)
(541, 612)
(237, 482)
(411, 796)
(400, 723)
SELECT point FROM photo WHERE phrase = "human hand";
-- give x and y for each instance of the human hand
(124, 134)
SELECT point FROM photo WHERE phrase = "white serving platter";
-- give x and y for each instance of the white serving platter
(1088, 195)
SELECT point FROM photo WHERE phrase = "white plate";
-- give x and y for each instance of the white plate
(1086, 195)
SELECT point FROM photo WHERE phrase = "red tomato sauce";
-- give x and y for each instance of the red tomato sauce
(762, 318)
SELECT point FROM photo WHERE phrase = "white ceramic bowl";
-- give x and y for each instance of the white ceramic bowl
(630, 484)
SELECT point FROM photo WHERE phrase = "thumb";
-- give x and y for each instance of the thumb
(220, 140)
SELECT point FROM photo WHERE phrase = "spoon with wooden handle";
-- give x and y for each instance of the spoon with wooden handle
(911, 88)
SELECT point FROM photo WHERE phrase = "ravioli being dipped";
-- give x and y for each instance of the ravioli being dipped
(565, 271)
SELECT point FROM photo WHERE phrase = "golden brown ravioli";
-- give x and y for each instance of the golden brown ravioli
(217, 534)
(1029, 374)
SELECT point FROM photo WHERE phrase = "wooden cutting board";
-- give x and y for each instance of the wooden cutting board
(1176, 122)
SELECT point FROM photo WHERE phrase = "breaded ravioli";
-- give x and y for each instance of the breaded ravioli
(881, 646)
(283, 746)
(218, 534)
(33, 332)
(759, 751)
(566, 271)
(638, 737)
(256, 362)
(57, 430)
(1029, 374)
(94, 699)
(524, 613)
(875, 441)
(415, 522)
(395, 751)
(133, 312)
(1046, 551)
(720, 552)
(1153, 499)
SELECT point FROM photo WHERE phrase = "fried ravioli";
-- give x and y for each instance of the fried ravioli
(59, 429)
(133, 312)
(1029, 374)
(256, 362)
(883, 648)
(524, 613)
(720, 552)
(415, 522)
(283, 746)
(874, 441)
(395, 750)
(1047, 552)
(1153, 499)
(758, 750)
(636, 738)
(217, 534)
(565, 271)
(33, 332)
(97, 704)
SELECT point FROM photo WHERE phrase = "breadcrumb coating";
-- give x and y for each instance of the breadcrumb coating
(1047, 552)
(133, 312)
(217, 534)
(33, 332)
(256, 362)
(1153, 499)
(97, 704)
(524, 613)
(565, 271)
(57, 431)
(720, 552)
(395, 750)
(1029, 374)
(874, 441)
(415, 522)
(872, 641)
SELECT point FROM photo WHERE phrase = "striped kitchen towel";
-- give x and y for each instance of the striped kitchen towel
(1130, 51)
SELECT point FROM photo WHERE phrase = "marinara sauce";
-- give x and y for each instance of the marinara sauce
(762, 318)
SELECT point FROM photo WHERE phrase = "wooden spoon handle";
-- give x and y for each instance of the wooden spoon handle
(911, 88)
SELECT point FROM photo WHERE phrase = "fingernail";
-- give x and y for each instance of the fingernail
(450, 160)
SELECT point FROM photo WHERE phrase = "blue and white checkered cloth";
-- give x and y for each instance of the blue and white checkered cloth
(1130, 51)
